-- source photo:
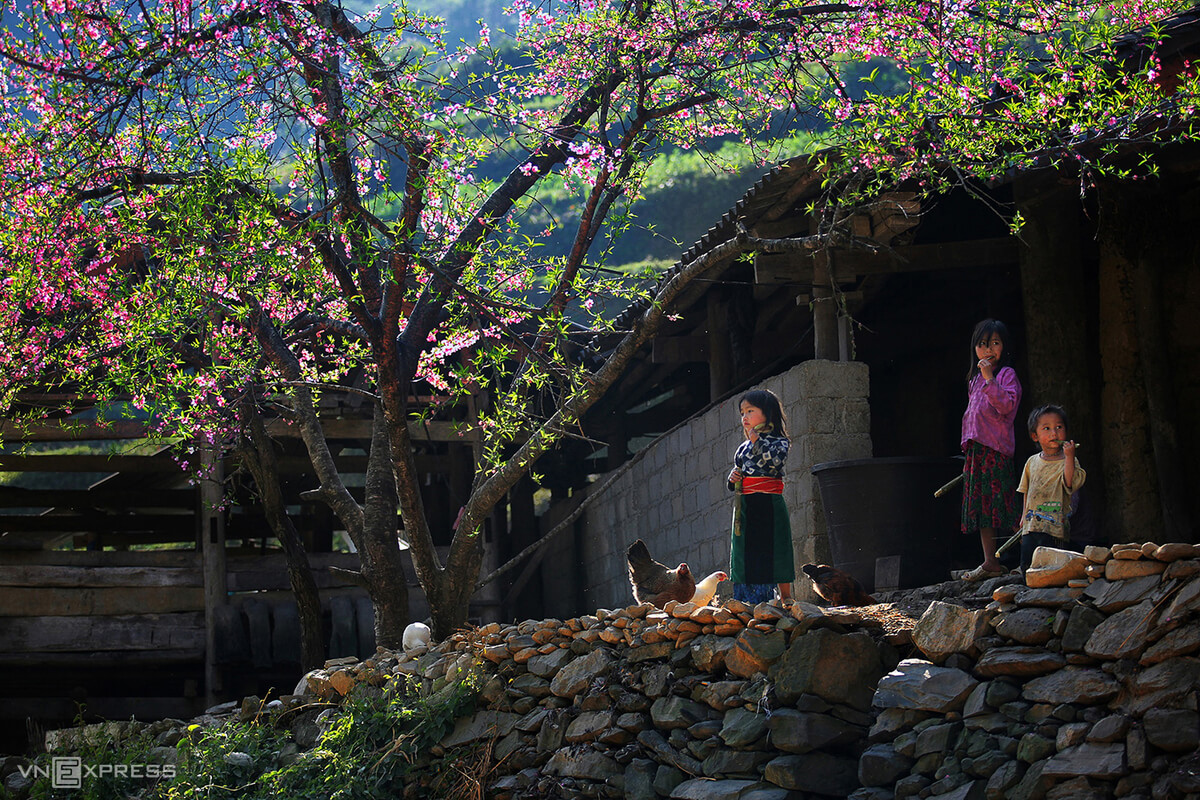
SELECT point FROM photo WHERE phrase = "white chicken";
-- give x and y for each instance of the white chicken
(417, 634)
(707, 588)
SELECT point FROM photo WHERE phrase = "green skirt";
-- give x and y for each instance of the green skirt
(760, 549)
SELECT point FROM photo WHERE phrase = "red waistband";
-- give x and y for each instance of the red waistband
(759, 485)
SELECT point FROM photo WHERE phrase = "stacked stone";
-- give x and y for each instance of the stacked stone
(1081, 683)
(763, 703)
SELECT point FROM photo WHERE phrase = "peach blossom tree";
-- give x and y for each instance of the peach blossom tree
(222, 211)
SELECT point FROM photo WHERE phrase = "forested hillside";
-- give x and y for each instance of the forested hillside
(685, 192)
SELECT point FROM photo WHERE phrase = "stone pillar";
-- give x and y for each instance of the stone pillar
(829, 420)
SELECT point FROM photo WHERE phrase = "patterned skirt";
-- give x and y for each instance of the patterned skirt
(989, 490)
(760, 549)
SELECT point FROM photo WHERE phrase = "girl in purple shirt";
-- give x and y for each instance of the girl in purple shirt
(989, 481)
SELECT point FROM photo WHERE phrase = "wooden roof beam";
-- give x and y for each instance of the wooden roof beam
(852, 264)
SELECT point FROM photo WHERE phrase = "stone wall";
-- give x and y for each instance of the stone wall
(675, 497)
(1081, 681)
(769, 703)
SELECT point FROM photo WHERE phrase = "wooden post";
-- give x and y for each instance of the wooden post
(618, 442)
(1129, 475)
(720, 355)
(825, 323)
(1057, 298)
(845, 339)
(211, 522)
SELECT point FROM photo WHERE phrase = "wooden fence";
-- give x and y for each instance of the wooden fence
(124, 633)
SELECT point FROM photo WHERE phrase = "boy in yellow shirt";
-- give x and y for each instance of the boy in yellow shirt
(1048, 481)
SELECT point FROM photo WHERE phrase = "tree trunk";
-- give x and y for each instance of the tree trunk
(259, 458)
(382, 560)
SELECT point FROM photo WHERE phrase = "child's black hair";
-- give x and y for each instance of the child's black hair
(1042, 411)
(766, 401)
(984, 330)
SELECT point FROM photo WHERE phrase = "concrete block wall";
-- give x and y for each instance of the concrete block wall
(675, 497)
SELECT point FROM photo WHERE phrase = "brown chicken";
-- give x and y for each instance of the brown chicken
(653, 582)
(839, 588)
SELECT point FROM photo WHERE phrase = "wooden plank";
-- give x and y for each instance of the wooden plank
(58, 576)
(188, 558)
(96, 523)
(100, 659)
(184, 630)
(27, 601)
(11, 497)
(277, 580)
(269, 572)
(89, 463)
(73, 430)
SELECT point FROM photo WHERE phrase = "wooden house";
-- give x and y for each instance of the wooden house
(1100, 291)
(93, 624)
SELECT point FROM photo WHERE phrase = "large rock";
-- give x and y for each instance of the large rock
(1094, 759)
(818, 773)
(1184, 602)
(1179, 642)
(480, 725)
(679, 712)
(1123, 635)
(1176, 730)
(650, 652)
(1086, 686)
(588, 726)
(755, 651)
(1080, 625)
(1022, 662)
(881, 765)
(579, 674)
(1050, 597)
(654, 744)
(583, 763)
(709, 652)
(721, 695)
(1026, 625)
(639, 779)
(726, 763)
(945, 629)
(531, 685)
(801, 732)
(742, 727)
(552, 731)
(936, 738)
(1159, 686)
(705, 789)
(548, 665)
(838, 668)
(1113, 596)
(971, 790)
(1052, 566)
(1122, 570)
(1174, 551)
(918, 684)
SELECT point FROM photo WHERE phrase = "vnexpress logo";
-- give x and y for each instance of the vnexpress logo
(67, 772)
